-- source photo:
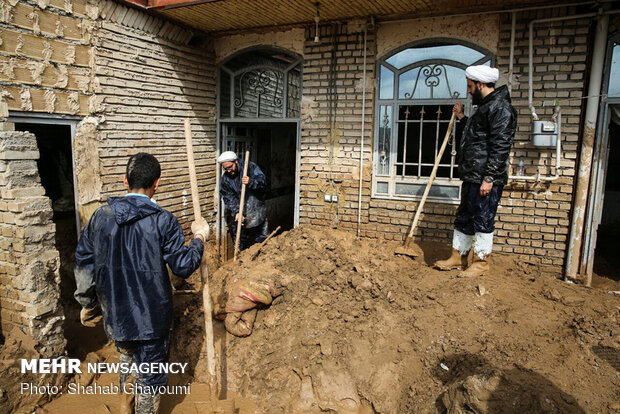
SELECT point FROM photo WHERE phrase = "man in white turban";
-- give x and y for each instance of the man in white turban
(255, 226)
(483, 167)
(227, 156)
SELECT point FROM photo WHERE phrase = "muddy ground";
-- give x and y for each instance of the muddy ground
(356, 329)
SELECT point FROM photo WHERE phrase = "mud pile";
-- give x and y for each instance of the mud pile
(355, 329)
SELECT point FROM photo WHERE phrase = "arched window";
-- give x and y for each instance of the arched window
(260, 84)
(418, 85)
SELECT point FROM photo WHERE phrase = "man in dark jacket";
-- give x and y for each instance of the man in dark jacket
(254, 218)
(120, 266)
(483, 167)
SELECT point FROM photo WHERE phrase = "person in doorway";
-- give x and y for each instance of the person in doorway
(483, 167)
(254, 219)
(121, 276)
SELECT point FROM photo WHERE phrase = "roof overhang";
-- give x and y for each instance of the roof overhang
(239, 15)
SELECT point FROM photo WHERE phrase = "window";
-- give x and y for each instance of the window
(418, 85)
(260, 84)
(614, 71)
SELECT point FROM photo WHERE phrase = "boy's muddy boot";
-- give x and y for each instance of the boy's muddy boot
(455, 261)
(147, 403)
(127, 382)
(478, 267)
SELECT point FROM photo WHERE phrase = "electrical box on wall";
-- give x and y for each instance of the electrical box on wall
(544, 133)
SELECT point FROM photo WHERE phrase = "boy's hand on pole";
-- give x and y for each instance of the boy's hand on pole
(201, 228)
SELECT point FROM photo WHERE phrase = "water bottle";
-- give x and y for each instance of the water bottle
(521, 167)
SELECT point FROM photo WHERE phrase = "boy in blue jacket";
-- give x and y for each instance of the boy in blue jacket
(120, 271)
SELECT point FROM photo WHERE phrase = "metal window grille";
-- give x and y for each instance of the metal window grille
(418, 85)
(421, 130)
(260, 84)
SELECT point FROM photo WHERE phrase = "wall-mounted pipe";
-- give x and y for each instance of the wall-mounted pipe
(587, 146)
(359, 200)
(513, 30)
(558, 155)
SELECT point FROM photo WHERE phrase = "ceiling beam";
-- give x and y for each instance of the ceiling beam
(172, 4)
(165, 4)
(140, 3)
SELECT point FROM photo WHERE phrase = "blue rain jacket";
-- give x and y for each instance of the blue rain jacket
(121, 260)
(254, 209)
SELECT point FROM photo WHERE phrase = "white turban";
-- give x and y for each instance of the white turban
(226, 157)
(482, 73)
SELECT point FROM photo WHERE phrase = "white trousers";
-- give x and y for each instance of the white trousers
(483, 245)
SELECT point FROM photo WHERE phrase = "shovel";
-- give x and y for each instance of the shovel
(241, 204)
(413, 250)
(204, 272)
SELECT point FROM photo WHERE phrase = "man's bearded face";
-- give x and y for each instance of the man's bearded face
(474, 91)
(230, 167)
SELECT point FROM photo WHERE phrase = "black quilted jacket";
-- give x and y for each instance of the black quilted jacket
(487, 137)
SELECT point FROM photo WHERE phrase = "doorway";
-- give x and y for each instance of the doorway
(55, 166)
(601, 224)
(259, 108)
(606, 267)
(272, 147)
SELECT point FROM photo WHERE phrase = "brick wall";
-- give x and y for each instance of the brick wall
(131, 73)
(29, 278)
(147, 87)
(533, 219)
(322, 140)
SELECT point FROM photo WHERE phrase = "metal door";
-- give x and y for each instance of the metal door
(239, 138)
(597, 194)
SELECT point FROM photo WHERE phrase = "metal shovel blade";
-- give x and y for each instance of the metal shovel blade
(409, 249)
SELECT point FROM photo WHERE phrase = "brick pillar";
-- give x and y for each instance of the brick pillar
(29, 261)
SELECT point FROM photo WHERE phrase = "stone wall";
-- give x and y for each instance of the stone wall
(133, 78)
(45, 55)
(29, 278)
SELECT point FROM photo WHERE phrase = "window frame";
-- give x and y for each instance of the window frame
(392, 179)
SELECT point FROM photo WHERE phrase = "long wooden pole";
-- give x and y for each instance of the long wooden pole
(430, 181)
(241, 205)
(204, 270)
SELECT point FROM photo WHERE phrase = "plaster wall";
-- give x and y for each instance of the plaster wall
(292, 40)
(479, 30)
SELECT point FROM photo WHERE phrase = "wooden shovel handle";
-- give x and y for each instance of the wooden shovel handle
(204, 270)
(241, 205)
(431, 179)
